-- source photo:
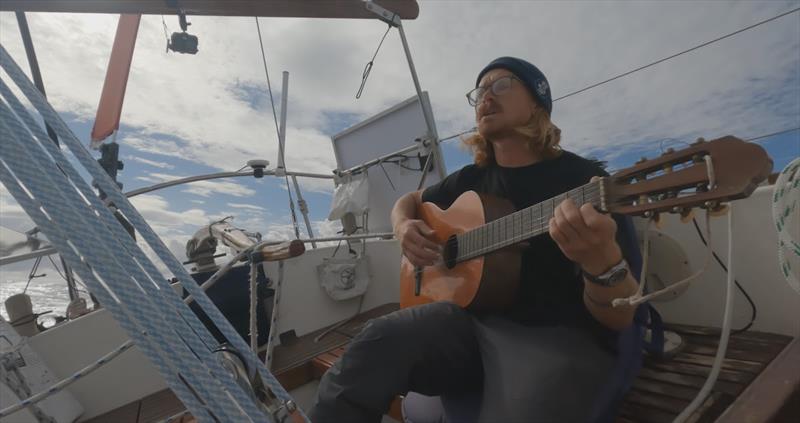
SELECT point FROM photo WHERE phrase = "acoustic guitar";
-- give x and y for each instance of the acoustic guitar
(481, 234)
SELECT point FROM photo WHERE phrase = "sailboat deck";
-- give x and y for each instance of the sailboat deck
(662, 390)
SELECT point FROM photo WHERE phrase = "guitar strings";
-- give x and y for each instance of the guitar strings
(472, 253)
(482, 233)
(589, 194)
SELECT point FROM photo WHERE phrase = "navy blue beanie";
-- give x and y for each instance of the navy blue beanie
(530, 75)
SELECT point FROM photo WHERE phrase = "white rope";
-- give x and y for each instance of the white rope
(723, 340)
(253, 305)
(58, 387)
(783, 206)
(638, 298)
(273, 325)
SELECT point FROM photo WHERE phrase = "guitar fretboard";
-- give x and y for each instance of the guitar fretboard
(520, 225)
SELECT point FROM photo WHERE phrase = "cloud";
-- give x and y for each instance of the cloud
(213, 109)
(321, 228)
(153, 163)
(207, 188)
(202, 188)
(216, 111)
(245, 206)
(158, 213)
(149, 145)
(150, 179)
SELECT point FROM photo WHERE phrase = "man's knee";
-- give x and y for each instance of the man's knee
(418, 325)
(420, 321)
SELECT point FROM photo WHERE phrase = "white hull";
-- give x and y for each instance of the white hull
(305, 307)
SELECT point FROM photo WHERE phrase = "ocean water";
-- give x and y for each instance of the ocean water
(46, 293)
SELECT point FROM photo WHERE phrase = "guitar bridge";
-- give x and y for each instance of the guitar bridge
(450, 252)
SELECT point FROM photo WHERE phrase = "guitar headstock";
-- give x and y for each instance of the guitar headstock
(678, 181)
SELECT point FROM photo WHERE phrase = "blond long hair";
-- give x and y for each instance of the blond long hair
(542, 134)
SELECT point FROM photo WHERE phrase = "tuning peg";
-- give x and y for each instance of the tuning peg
(687, 215)
(719, 210)
(660, 223)
(641, 160)
(668, 151)
(655, 217)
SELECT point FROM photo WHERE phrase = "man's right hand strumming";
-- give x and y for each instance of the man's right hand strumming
(416, 241)
(416, 237)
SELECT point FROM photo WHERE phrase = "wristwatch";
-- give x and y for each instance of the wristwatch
(611, 277)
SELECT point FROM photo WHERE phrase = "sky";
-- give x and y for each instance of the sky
(186, 115)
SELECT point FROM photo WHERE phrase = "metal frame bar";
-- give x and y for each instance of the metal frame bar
(220, 175)
(301, 202)
(36, 73)
(382, 235)
(51, 250)
(380, 159)
(47, 251)
(393, 19)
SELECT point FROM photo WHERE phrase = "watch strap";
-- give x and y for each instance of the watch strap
(607, 278)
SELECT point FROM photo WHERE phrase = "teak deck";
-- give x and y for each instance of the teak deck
(662, 390)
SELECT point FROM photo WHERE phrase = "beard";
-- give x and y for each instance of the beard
(495, 129)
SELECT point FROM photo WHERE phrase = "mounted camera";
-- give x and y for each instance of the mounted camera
(183, 42)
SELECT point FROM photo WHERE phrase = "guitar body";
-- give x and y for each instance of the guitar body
(487, 282)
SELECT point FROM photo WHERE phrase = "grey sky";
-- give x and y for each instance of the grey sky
(215, 109)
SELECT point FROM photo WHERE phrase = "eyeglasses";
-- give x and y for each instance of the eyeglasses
(499, 87)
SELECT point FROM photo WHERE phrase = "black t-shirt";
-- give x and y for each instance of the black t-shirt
(551, 286)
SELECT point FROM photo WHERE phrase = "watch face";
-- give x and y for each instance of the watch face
(618, 276)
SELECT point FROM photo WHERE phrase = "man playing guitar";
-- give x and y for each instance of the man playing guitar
(552, 353)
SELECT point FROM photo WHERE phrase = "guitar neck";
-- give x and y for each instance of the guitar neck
(521, 225)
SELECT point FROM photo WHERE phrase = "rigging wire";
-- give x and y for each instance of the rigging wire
(368, 67)
(55, 266)
(166, 32)
(278, 132)
(772, 134)
(741, 289)
(33, 274)
(759, 137)
(678, 54)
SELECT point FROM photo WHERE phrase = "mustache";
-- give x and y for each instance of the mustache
(487, 109)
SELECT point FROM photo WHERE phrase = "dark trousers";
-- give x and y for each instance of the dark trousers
(525, 374)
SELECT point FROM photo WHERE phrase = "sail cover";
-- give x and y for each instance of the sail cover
(119, 65)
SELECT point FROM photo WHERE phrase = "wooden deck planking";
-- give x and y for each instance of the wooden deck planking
(662, 390)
